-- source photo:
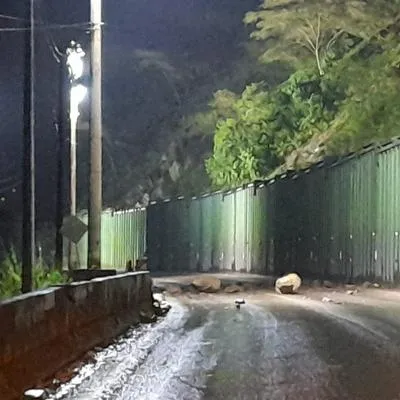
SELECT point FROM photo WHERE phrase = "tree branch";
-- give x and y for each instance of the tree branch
(333, 39)
(318, 31)
(310, 25)
(308, 39)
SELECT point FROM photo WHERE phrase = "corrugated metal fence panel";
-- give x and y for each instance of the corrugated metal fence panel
(270, 194)
(175, 237)
(123, 238)
(227, 231)
(388, 216)
(363, 215)
(339, 197)
(240, 229)
(335, 221)
(195, 228)
(217, 233)
(154, 239)
(206, 238)
(109, 224)
(258, 229)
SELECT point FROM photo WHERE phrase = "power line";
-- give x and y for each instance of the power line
(84, 25)
(12, 18)
(57, 55)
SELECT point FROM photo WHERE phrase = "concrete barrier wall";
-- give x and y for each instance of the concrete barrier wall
(42, 332)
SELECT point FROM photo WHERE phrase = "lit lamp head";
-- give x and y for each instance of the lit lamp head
(78, 93)
(75, 56)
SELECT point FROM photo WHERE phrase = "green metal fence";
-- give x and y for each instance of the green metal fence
(123, 236)
(334, 220)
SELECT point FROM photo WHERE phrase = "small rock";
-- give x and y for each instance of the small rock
(158, 289)
(190, 289)
(366, 285)
(161, 308)
(207, 284)
(174, 290)
(233, 289)
(350, 286)
(328, 284)
(35, 394)
(352, 292)
(159, 297)
(327, 300)
(376, 285)
(165, 305)
(288, 284)
(147, 317)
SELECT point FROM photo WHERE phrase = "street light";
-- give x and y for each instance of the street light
(75, 55)
(78, 92)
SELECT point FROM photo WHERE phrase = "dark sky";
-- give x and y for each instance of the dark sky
(204, 31)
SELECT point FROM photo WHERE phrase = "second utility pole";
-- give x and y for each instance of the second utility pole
(28, 218)
(95, 175)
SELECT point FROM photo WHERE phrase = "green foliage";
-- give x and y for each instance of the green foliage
(242, 142)
(43, 277)
(10, 277)
(203, 123)
(344, 91)
(299, 30)
(371, 109)
(269, 125)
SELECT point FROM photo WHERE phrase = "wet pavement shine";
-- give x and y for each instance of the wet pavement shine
(273, 348)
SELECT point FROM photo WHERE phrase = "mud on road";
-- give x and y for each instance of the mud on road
(276, 347)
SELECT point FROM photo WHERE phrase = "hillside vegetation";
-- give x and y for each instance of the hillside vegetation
(342, 91)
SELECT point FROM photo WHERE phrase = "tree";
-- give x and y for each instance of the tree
(266, 126)
(297, 30)
(370, 111)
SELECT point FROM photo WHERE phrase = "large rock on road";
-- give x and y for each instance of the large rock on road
(288, 284)
(207, 284)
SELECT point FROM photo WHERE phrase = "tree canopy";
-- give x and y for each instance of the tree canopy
(300, 29)
(343, 91)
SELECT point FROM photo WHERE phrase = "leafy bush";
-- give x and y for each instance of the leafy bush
(10, 277)
(267, 125)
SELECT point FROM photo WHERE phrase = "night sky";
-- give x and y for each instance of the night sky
(202, 31)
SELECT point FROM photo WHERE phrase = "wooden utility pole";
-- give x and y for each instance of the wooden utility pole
(72, 181)
(95, 176)
(61, 134)
(28, 218)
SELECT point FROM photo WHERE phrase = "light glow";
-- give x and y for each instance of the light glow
(75, 61)
(78, 94)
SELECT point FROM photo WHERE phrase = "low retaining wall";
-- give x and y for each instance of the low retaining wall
(44, 331)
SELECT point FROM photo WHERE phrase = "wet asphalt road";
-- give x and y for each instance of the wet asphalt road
(274, 348)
